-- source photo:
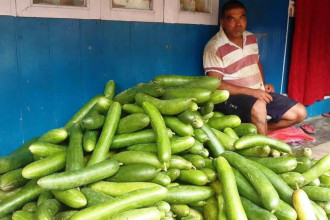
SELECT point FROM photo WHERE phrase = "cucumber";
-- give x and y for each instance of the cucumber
(90, 139)
(45, 166)
(211, 209)
(265, 189)
(191, 117)
(94, 197)
(206, 82)
(6, 195)
(255, 212)
(260, 140)
(82, 112)
(165, 107)
(15, 161)
(74, 178)
(93, 121)
(286, 211)
(139, 157)
(210, 173)
(302, 152)
(214, 144)
(139, 198)
(117, 189)
(47, 209)
(181, 210)
(197, 161)
(207, 108)
(226, 121)
(196, 148)
(257, 151)
(303, 164)
(132, 123)
(322, 166)
(163, 206)
(325, 178)
(200, 135)
(173, 80)
(293, 179)
(325, 206)
(200, 95)
(208, 163)
(197, 213)
(75, 154)
(231, 133)
(132, 108)
(45, 195)
(245, 129)
(30, 207)
(65, 215)
(185, 194)
(44, 149)
(277, 164)
(217, 187)
(316, 193)
(173, 173)
(219, 96)
(233, 204)
(138, 137)
(134, 173)
(302, 205)
(193, 177)
(275, 153)
(218, 114)
(149, 213)
(226, 141)
(110, 89)
(22, 215)
(319, 211)
(54, 136)
(12, 180)
(178, 127)
(221, 206)
(101, 107)
(152, 89)
(158, 125)
(107, 134)
(161, 179)
(29, 192)
(71, 197)
(178, 162)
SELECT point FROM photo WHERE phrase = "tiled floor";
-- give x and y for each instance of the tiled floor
(321, 146)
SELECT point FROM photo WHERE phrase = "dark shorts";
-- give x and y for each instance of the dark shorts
(241, 105)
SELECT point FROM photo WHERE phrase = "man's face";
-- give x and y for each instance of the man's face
(234, 22)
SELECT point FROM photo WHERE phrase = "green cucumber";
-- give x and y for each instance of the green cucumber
(174, 80)
(322, 166)
(132, 123)
(178, 162)
(285, 211)
(211, 83)
(45, 166)
(127, 96)
(139, 198)
(210, 173)
(255, 212)
(233, 204)
(158, 125)
(325, 206)
(181, 210)
(293, 179)
(265, 189)
(162, 179)
(173, 173)
(74, 178)
(134, 173)
(48, 209)
(214, 144)
(275, 153)
(196, 148)
(178, 127)
(75, 154)
(107, 134)
(65, 215)
(231, 133)
(200, 135)
(149, 213)
(226, 121)
(245, 129)
(207, 108)
(101, 107)
(30, 207)
(261, 140)
(211, 209)
(45, 195)
(29, 192)
(90, 139)
(117, 189)
(132, 108)
(319, 211)
(219, 96)
(303, 205)
(303, 164)
(93, 121)
(110, 89)
(315, 182)
(316, 193)
(257, 151)
(54, 136)
(185, 194)
(15, 161)
(221, 207)
(218, 114)
(6, 195)
(71, 197)
(191, 117)
(22, 215)
(325, 178)
(82, 112)
(94, 197)
(277, 164)
(226, 141)
(197, 161)
(208, 163)
(138, 137)
(44, 149)
(12, 180)
(200, 95)
(165, 107)
(193, 177)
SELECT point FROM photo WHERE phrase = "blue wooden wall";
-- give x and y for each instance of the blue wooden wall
(50, 67)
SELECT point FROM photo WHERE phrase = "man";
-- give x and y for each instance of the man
(232, 55)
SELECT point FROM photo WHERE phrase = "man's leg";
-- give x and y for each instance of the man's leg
(294, 115)
(259, 116)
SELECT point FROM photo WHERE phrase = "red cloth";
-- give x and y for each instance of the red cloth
(309, 78)
(290, 135)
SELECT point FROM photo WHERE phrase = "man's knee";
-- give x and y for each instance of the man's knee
(300, 111)
(259, 111)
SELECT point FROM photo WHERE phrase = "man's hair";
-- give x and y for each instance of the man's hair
(231, 4)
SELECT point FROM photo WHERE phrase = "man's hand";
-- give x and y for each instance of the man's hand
(261, 94)
(269, 88)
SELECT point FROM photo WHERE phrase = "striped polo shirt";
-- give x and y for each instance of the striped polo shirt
(239, 66)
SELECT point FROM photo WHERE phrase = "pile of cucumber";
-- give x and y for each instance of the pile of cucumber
(159, 150)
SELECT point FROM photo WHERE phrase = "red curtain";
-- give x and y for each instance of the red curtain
(309, 77)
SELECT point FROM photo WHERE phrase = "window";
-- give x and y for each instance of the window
(8, 7)
(132, 10)
(83, 9)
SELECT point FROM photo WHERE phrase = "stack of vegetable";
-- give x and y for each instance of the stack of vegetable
(160, 151)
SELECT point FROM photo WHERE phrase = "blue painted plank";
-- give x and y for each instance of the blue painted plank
(65, 68)
(11, 133)
(35, 70)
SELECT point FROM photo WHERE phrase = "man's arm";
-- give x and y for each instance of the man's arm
(268, 87)
(237, 90)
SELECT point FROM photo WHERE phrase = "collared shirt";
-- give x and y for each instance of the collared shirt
(239, 66)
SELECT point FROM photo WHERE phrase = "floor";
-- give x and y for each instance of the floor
(321, 146)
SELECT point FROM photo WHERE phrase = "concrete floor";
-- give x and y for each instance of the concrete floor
(321, 146)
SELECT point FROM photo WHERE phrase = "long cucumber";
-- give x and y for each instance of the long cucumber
(255, 212)
(75, 154)
(185, 194)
